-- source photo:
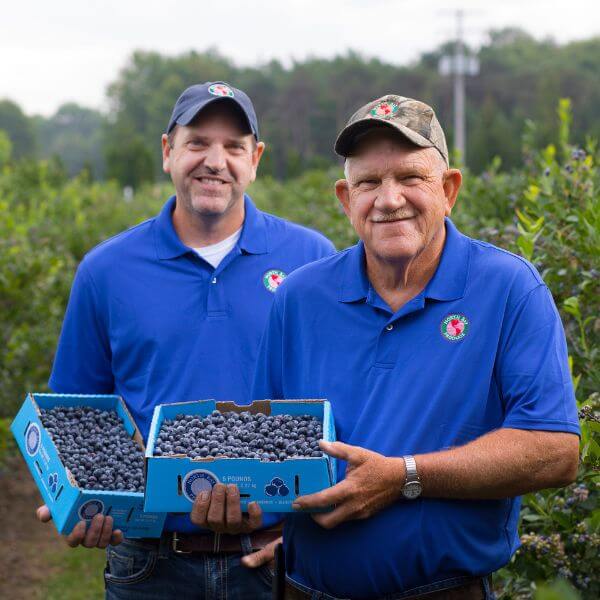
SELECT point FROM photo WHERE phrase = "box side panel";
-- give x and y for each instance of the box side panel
(194, 407)
(329, 435)
(101, 401)
(298, 407)
(43, 462)
(174, 483)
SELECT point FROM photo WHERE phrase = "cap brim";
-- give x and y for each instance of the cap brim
(347, 138)
(191, 113)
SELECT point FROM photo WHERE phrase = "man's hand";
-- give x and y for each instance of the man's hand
(99, 534)
(263, 556)
(220, 511)
(372, 482)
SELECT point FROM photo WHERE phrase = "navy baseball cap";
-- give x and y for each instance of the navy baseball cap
(199, 96)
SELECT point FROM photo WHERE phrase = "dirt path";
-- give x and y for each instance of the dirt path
(25, 544)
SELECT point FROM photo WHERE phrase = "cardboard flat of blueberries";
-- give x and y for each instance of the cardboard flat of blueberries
(68, 503)
(173, 482)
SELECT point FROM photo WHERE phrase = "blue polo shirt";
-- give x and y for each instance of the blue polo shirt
(482, 347)
(150, 320)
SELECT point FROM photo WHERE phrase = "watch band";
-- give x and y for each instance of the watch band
(411, 468)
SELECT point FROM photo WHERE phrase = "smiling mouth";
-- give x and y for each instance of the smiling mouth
(211, 181)
(394, 220)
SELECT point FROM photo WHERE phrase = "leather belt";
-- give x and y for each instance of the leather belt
(185, 543)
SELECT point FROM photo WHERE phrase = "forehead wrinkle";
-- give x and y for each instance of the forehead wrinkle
(382, 162)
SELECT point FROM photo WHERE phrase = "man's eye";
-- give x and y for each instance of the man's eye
(368, 182)
(412, 179)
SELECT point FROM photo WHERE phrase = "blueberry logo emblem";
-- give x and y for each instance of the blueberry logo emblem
(33, 437)
(90, 509)
(454, 327)
(384, 110)
(198, 481)
(220, 89)
(53, 482)
(277, 487)
(273, 278)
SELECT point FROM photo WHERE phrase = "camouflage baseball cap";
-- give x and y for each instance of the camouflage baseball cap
(415, 120)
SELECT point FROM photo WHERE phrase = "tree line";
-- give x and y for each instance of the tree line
(301, 107)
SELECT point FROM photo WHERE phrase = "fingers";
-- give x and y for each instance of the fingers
(262, 556)
(328, 497)
(106, 533)
(116, 538)
(334, 518)
(215, 517)
(76, 537)
(43, 514)
(254, 519)
(200, 509)
(346, 452)
(233, 514)
(92, 537)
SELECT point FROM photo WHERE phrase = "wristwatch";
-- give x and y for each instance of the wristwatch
(412, 485)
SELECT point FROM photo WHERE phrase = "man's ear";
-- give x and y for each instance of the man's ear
(166, 153)
(452, 180)
(342, 191)
(256, 156)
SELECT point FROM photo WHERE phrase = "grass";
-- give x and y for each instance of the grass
(77, 575)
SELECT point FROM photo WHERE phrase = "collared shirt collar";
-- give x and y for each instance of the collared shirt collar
(448, 282)
(253, 239)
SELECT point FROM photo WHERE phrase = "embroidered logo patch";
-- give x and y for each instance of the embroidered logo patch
(384, 110)
(454, 327)
(273, 278)
(220, 89)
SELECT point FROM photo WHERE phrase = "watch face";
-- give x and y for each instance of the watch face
(412, 490)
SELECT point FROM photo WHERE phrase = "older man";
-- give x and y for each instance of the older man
(173, 309)
(445, 361)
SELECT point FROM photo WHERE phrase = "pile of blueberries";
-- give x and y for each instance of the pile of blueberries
(240, 435)
(94, 445)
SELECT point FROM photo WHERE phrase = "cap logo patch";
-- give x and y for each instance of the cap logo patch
(220, 89)
(273, 278)
(454, 327)
(384, 110)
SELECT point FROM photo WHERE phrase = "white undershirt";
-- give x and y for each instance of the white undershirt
(215, 253)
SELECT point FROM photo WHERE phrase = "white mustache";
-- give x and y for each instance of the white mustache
(392, 217)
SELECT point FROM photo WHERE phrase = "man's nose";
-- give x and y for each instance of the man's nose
(390, 196)
(215, 157)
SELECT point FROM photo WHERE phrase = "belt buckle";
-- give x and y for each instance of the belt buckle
(174, 541)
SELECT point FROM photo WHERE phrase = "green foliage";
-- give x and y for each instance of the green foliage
(547, 211)
(5, 148)
(18, 128)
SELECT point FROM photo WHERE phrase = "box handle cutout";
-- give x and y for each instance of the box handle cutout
(130, 513)
(26, 428)
(244, 495)
(37, 466)
(297, 485)
(179, 488)
(60, 489)
(108, 511)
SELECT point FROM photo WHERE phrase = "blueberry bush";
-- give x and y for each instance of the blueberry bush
(548, 211)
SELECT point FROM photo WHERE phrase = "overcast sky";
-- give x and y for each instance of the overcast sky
(69, 50)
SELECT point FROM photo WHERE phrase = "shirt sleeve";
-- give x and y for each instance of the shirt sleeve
(268, 379)
(533, 370)
(83, 358)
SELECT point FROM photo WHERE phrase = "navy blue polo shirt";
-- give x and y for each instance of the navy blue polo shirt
(482, 347)
(150, 320)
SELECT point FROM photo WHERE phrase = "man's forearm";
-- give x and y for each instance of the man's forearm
(500, 464)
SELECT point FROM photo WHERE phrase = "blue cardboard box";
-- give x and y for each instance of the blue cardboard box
(173, 482)
(68, 503)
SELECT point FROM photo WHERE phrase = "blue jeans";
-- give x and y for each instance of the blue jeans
(488, 593)
(138, 570)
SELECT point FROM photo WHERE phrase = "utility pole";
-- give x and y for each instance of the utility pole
(460, 133)
(458, 65)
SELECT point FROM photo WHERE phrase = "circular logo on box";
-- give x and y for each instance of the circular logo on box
(454, 327)
(90, 509)
(198, 481)
(33, 438)
(273, 278)
(277, 487)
